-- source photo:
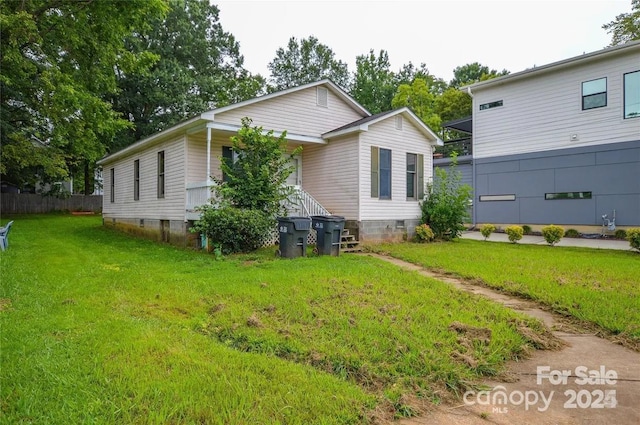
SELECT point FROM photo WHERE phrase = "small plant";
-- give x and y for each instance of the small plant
(620, 234)
(487, 229)
(633, 236)
(552, 234)
(571, 233)
(514, 232)
(424, 233)
(526, 229)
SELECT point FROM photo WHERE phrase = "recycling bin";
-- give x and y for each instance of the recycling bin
(329, 230)
(293, 236)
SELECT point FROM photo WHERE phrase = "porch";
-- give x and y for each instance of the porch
(301, 203)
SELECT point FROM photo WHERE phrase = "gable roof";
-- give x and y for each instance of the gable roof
(555, 66)
(364, 123)
(335, 89)
(207, 118)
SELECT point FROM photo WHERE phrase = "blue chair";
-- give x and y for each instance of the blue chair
(4, 236)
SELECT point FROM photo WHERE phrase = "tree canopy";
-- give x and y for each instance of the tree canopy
(200, 67)
(57, 61)
(472, 73)
(626, 26)
(306, 61)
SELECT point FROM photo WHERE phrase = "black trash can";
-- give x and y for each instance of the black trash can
(329, 229)
(293, 236)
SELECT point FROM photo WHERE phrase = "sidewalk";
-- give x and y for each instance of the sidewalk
(599, 243)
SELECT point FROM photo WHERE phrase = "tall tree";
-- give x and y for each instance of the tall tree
(199, 68)
(452, 105)
(626, 26)
(373, 82)
(304, 62)
(472, 73)
(57, 60)
(419, 98)
(410, 72)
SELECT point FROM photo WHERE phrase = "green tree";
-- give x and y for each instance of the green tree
(57, 60)
(626, 26)
(256, 179)
(453, 104)
(409, 72)
(200, 67)
(472, 73)
(446, 203)
(373, 86)
(420, 100)
(305, 62)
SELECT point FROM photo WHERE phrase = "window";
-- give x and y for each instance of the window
(227, 157)
(161, 174)
(415, 176)
(490, 105)
(491, 198)
(594, 94)
(567, 195)
(380, 173)
(136, 180)
(632, 95)
(113, 185)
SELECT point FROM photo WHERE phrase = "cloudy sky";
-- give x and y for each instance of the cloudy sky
(512, 35)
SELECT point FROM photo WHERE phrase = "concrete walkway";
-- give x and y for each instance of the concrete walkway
(599, 243)
(591, 380)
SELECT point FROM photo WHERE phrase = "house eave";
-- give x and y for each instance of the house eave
(291, 137)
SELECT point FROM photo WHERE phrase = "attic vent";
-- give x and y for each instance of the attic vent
(322, 96)
(398, 122)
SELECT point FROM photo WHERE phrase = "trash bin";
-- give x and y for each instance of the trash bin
(329, 229)
(293, 236)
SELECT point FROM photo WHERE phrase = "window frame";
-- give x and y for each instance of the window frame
(136, 180)
(624, 95)
(161, 174)
(412, 175)
(591, 95)
(389, 183)
(112, 185)
(491, 105)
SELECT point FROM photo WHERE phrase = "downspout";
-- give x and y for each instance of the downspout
(473, 166)
(208, 155)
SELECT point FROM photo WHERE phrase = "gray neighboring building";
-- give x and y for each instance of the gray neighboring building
(557, 144)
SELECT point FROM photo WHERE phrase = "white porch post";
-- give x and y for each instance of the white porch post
(208, 155)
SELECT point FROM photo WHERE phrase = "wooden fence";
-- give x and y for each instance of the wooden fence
(27, 203)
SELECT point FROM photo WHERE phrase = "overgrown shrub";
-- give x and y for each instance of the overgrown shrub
(620, 234)
(514, 232)
(487, 229)
(234, 229)
(526, 229)
(424, 233)
(633, 236)
(552, 234)
(571, 233)
(445, 207)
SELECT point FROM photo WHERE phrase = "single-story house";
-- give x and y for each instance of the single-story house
(370, 169)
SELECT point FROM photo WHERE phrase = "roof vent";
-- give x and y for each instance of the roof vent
(398, 122)
(322, 96)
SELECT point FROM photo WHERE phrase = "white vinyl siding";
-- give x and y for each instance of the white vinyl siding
(384, 135)
(544, 112)
(297, 112)
(330, 175)
(171, 207)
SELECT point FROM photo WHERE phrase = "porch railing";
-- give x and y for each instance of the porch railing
(462, 146)
(301, 203)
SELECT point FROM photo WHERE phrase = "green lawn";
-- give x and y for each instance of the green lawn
(101, 327)
(596, 286)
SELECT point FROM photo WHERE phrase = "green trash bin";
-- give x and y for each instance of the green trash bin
(329, 233)
(293, 236)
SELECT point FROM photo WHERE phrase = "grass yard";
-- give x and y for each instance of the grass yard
(600, 287)
(101, 327)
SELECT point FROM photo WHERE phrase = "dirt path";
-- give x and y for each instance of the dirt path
(590, 381)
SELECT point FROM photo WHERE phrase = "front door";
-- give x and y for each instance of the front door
(295, 179)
